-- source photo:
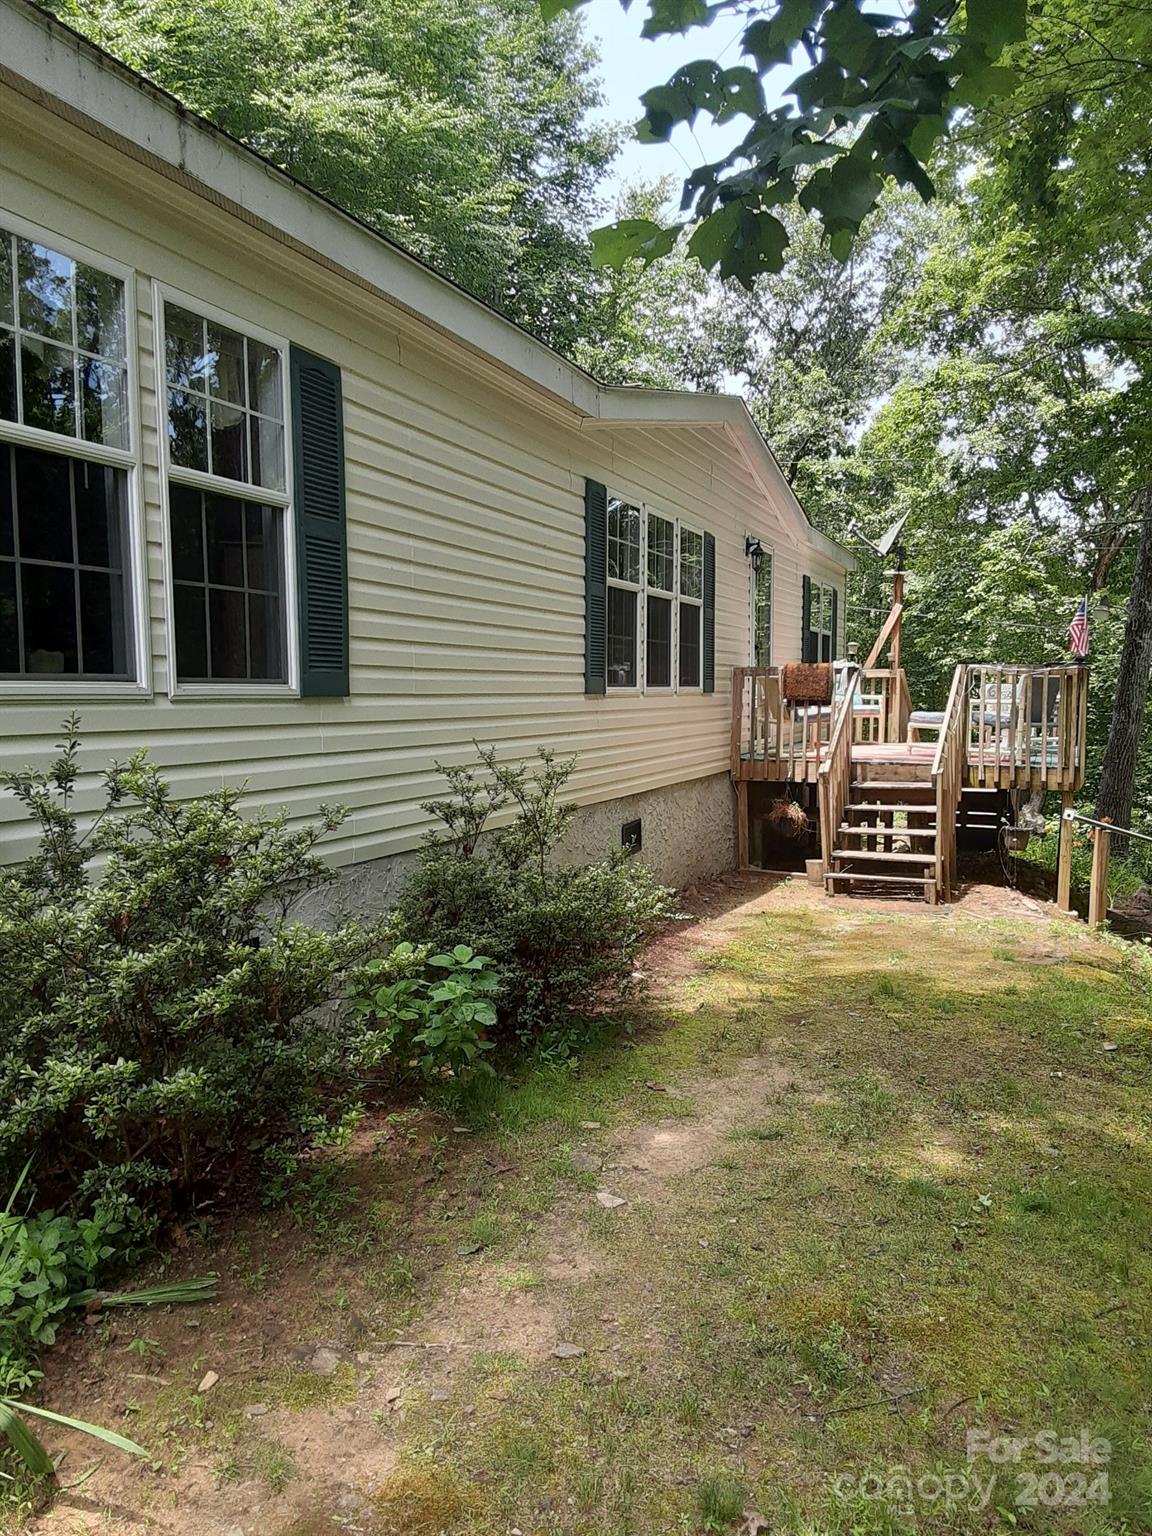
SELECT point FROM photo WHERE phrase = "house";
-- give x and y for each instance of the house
(282, 505)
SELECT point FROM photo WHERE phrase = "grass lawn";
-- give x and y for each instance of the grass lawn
(884, 1191)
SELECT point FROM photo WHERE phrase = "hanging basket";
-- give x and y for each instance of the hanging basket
(787, 819)
(1016, 839)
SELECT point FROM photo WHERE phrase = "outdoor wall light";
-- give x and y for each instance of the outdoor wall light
(754, 551)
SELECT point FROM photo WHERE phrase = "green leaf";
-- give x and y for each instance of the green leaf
(740, 242)
(632, 240)
(810, 154)
(844, 193)
(981, 85)
(97, 1431)
(841, 243)
(24, 1443)
(772, 42)
(908, 171)
(552, 8)
(995, 23)
(666, 16)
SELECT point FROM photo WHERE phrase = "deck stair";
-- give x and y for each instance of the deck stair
(885, 843)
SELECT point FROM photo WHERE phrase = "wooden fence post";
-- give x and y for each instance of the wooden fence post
(1064, 865)
(742, 852)
(1098, 890)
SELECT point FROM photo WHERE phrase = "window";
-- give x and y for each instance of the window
(624, 522)
(762, 610)
(691, 605)
(227, 500)
(821, 623)
(655, 600)
(66, 568)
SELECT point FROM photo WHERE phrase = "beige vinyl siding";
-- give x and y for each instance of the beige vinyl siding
(465, 538)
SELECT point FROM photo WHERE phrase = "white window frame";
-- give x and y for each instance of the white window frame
(683, 527)
(643, 592)
(241, 490)
(139, 685)
(823, 592)
(753, 579)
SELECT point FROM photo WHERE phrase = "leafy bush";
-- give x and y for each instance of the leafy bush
(564, 938)
(443, 1018)
(161, 1019)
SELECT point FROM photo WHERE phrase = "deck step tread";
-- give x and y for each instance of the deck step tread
(870, 879)
(856, 854)
(868, 829)
(887, 805)
(925, 784)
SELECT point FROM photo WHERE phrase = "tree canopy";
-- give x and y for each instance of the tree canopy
(462, 131)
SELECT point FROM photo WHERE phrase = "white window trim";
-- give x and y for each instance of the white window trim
(824, 590)
(128, 459)
(693, 602)
(770, 551)
(643, 592)
(243, 491)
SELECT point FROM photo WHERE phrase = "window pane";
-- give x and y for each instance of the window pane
(623, 541)
(661, 553)
(186, 507)
(621, 638)
(44, 500)
(230, 594)
(224, 524)
(264, 391)
(45, 291)
(7, 517)
(228, 643)
(7, 287)
(9, 630)
(102, 623)
(100, 312)
(762, 625)
(266, 639)
(658, 650)
(191, 634)
(104, 403)
(267, 453)
(49, 384)
(48, 597)
(98, 516)
(226, 365)
(689, 645)
(691, 563)
(262, 540)
(188, 429)
(72, 620)
(7, 375)
(229, 442)
(184, 349)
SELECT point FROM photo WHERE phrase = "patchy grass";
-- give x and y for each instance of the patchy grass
(886, 1185)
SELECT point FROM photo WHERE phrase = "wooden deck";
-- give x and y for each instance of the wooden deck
(1004, 728)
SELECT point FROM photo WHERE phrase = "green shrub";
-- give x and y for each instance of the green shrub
(161, 1019)
(431, 1011)
(564, 938)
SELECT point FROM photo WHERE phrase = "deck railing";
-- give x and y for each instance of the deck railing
(1026, 726)
(835, 778)
(774, 738)
(948, 779)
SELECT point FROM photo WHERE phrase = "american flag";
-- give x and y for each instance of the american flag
(1078, 630)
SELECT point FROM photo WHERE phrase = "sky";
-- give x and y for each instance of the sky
(631, 64)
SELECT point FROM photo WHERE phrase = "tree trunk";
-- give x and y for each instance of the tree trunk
(1118, 777)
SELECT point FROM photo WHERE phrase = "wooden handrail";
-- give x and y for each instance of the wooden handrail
(835, 777)
(1027, 725)
(948, 778)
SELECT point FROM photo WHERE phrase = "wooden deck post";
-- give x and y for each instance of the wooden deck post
(1064, 863)
(1098, 890)
(742, 861)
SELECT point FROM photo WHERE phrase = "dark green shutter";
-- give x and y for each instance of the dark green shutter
(321, 535)
(708, 673)
(806, 623)
(595, 587)
(835, 617)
